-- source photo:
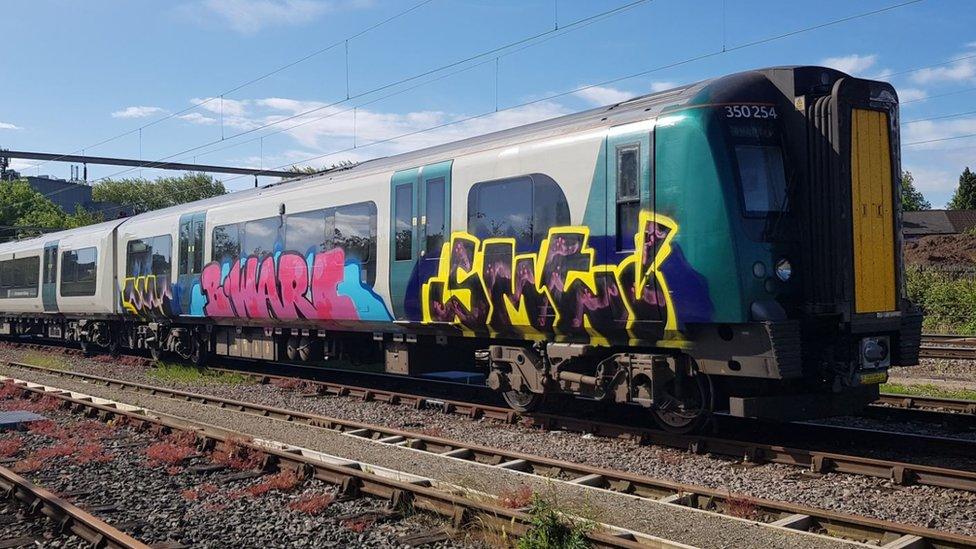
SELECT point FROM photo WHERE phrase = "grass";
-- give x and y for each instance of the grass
(550, 529)
(44, 361)
(183, 373)
(928, 390)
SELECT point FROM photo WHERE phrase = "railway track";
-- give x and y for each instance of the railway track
(750, 451)
(948, 346)
(777, 513)
(66, 517)
(353, 479)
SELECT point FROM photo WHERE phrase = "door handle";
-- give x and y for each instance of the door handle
(423, 220)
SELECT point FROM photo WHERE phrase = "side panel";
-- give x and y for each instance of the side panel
(873, 233)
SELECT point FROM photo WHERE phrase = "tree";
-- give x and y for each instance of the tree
(81, 218)
(965, 196)
(22, 206)
(145, 195)
(912, 199)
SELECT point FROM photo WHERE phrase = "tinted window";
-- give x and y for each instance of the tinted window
(260, 236)
(149, 256)
(50, 265)
(355, 232)
(198, 232)
(436, 227)
(19, 277)
(403, 219)
(226, 243)
(79, 272)
(523, 208)
(185, 230)
(763, 178)
(305, 232)
(628, 195)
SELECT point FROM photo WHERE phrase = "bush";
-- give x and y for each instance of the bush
(947, 299)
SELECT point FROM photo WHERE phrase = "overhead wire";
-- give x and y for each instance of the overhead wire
(693, 59)
(250, 82)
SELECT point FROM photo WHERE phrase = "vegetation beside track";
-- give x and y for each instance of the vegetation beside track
(947, 298)
(184, 373)
(928, 390)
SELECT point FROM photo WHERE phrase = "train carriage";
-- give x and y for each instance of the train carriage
(728, 245)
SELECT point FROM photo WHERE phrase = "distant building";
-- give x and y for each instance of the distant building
(70, 194)
(936, 222)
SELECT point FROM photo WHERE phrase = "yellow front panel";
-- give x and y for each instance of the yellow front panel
(871, 206)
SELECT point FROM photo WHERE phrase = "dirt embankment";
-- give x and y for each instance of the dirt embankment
(951, 251)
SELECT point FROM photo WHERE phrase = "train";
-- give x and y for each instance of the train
(729, 246)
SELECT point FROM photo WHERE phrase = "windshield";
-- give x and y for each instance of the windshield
(763, 178)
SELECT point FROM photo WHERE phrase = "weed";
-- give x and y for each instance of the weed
(285, 481)
(928, 390)
(548, 529)
(516, 498)
(168, 453)
(44, 361)
(312, 504)
(174, 470)
(741, 508)
(59, 450)
(183, 373)
(49, 429)
(90, 452)
(286, 384)
(10, 446)
(208, 488)
(10, 390)
(214, 507)
(29, 465)
(235, 454)
(359, 525)
(669, 457)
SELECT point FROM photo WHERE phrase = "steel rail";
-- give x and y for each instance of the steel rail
(353, 478)
(787, 514)
(66, 516)
(954, 406)
(753, 452)
(952, 346)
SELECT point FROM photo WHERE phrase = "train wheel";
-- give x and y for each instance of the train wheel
(523, 401)
(155, 352)
(686, 408)
(200, 353)
(87, 347)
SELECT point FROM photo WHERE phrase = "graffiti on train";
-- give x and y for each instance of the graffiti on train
(147, 295)
(485, 283)
(288, 285)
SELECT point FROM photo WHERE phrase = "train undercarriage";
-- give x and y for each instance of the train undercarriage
(680, 390)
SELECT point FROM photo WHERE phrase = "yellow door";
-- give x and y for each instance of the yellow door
(872, 209)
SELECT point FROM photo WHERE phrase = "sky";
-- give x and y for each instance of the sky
(272, 83)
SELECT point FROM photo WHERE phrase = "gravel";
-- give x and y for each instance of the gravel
(677, 523)
(944, 509)
(950, 373)
(158, 503)
(15, 525)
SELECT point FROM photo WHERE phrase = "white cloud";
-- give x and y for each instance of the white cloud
(137, 112)
(197, 118)
(8, 126)
(971, 45)
(928, 130)
(911, 94)
(663, 85)
(964, 69)
(601, 95)
(853, 64)
(250, 16)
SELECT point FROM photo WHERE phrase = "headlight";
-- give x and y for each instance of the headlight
(784, 270)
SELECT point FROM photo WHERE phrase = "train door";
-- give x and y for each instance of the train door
(631, 226)
(190, 263)
(420, 224)
(49, 294)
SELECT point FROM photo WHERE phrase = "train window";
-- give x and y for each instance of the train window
(226, 243)
(185, 229)
(79, 270)
(436, 228)
(628, 195)
(355, 232)
(261, 236)
(50, 265)
(523, 208)
(19, 277)
(149, 256)
(763, 178)
(403, 212)
(198, 232)
(305, 232)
